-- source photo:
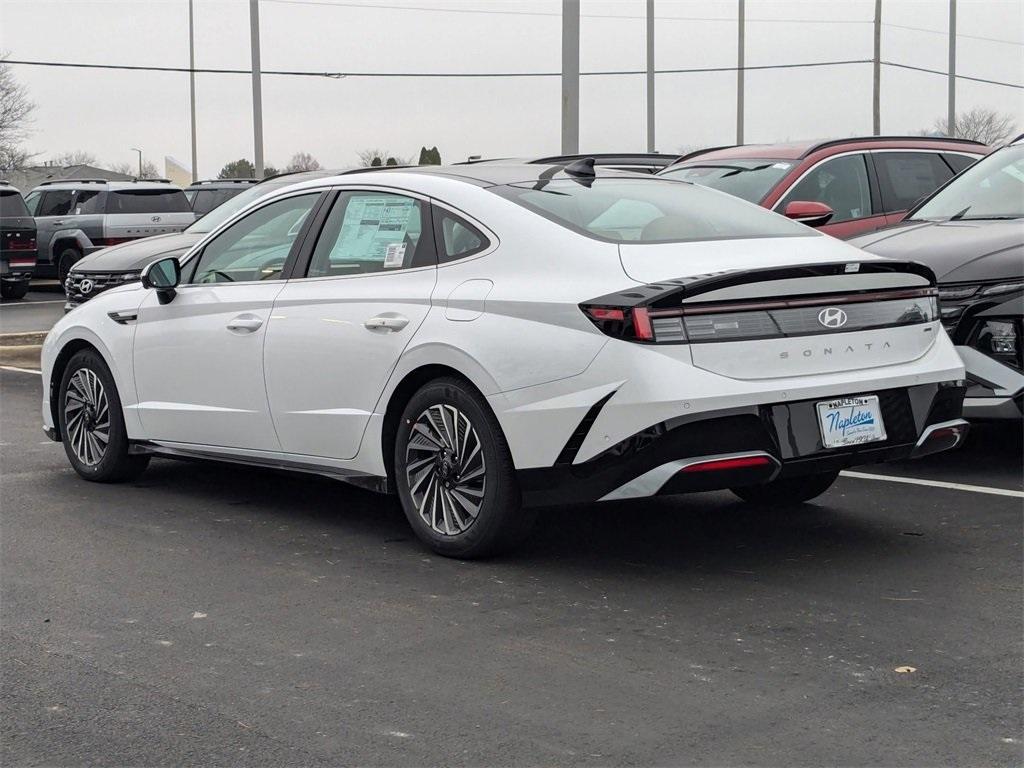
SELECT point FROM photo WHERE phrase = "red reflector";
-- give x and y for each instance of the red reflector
(642, 324)
(717, 465)
(21, 245)
(604, 313)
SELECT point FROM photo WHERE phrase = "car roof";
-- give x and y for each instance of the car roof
(799, 150)
(106, 184)
(497, 174)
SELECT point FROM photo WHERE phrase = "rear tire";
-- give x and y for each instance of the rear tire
(468, 505)
(788, 491)
(13, 289)
(92, 423)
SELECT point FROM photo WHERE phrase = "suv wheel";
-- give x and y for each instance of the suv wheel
(454, 473)
(92, 424)
(67, 258)
(13, 289)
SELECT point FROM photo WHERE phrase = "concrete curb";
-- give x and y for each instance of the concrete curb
(21, 356)
(34, 338)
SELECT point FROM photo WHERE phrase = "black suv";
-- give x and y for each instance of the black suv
(204, 196)
(17, 243)
(971, 233)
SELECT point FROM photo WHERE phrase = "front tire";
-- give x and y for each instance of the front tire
(454, 473)
(787, 491)
(69, 256)
(92, 423)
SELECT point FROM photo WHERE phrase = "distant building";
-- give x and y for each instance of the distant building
(177, 171)
(26, 179)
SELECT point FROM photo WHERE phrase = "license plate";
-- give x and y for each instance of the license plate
(851, 421)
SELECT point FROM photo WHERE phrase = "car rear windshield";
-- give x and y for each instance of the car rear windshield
(11, 203)
(748, 179)
(628, 210)
(148, 201)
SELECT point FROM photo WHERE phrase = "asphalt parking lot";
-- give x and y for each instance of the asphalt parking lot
(222, 615)
(40, 309)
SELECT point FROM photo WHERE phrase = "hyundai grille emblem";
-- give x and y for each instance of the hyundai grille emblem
(155, 219)
(85, 286)
(832, 317)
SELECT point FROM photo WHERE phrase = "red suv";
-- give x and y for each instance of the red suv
(843, 186)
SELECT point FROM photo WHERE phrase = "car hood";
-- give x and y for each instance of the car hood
(137, 253)
(957, 251)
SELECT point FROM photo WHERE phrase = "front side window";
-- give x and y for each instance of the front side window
(55, 203)
(372, 232)
(748, 179)
(840, 183)
(654, 210)
(992, 188)
(148, 201)
(906, 177)
(256, 247)
(32, 202)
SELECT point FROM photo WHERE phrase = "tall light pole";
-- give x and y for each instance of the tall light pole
(876, 93)
(140, 160)
(192, 87)
(951, 107)
(740, 51)
(650, 75)
(257, 91)
(570, 77)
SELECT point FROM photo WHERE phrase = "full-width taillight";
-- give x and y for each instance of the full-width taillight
(631, 324)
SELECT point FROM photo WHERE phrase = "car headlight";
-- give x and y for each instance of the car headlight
(1001, 288)
(999, 338)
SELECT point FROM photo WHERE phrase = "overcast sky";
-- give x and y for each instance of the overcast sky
(106, 112)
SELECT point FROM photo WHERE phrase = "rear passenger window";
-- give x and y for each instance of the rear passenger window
(86, 201)
(456, 237)
(840, 183)
(55, 203)
(369, 232)
(906, 177)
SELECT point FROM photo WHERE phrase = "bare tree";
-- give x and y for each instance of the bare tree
(149, 169)
(373, 157)
(77, 157)
(302, 161)
(979, 124)
(15, 116)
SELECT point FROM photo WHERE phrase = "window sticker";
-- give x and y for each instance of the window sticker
(374, 230)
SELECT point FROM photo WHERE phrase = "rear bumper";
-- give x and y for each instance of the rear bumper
(997, 390)
(17, 268)
(919, 420)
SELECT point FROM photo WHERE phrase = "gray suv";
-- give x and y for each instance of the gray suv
(79, 216)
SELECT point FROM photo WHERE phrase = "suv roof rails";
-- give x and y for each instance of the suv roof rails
(49, 182)
(858, 139)
(606, 158)
(136, 180)
(225, 181)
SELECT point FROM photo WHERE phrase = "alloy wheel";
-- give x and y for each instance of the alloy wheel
(87, 417)
(445, 469)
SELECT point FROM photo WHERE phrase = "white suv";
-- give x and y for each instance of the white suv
(484, 340)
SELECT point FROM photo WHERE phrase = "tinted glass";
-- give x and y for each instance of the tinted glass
(991, 188)
(840, 183)
(959, 162)
(32, 202)
(87, 201)
(55, 203)
(370, 232)
(458, 238)
(205, 200)
(906, 177)
(219, 215)
(147, 201)
(750, 180)
(653, 210)
(255, 247)
(11, 203)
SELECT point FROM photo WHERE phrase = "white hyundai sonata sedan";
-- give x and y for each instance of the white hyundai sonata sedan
(485, 340)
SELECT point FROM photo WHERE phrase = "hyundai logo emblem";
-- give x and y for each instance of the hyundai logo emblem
(832, 317)
(85, 286)
(155, 219)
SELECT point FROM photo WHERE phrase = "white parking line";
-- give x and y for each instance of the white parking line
(936, 484)
(19, 370)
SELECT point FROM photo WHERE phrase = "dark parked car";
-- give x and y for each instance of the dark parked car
(17, 243)
(204, 196)
(121, 264)
(971, 233)
(844, 186)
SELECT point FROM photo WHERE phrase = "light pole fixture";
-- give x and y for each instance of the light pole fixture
(134, 149)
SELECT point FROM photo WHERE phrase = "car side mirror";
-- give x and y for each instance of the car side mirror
(808, 212)
(162, 276)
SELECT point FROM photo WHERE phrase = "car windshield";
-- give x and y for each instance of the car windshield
(11, 203)
(749, 179)
(992, 188)
(654, 210)
(225, 211)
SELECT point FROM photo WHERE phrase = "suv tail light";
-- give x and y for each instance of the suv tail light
(21, 245)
